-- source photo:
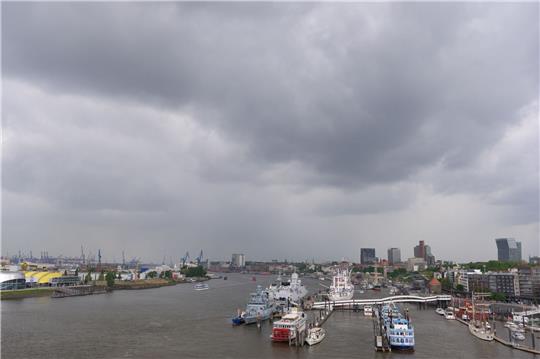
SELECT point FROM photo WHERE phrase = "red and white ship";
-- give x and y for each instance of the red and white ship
(289, 326)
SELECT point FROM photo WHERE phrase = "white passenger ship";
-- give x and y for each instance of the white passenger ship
(341, 288)
(289, 326)
(287, 293)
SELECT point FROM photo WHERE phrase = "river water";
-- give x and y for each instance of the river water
(179, 322)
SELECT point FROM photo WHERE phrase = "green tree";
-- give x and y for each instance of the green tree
(88, 277)
(151, 274)
(119, 275)
(109, 277)
(499, 297)
(460, 287)
(399, 272)
(101, 276)
(446, 284)
(198, 271)
(77, 271)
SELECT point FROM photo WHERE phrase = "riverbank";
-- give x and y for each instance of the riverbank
(26, 293)
(144, 284)
(118, 285)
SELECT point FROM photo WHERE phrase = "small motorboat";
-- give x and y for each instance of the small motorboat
(201, 286)
(240, 318)
(449, 314)
(514, 327)
(439, 311)
(518, 336)
(315, 335)
(238, 321)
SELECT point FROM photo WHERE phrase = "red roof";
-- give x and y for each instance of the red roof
(433, 282)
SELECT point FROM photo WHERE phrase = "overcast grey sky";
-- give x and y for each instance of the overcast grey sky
(279, 130)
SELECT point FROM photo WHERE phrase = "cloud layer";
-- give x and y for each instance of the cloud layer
(238, 127)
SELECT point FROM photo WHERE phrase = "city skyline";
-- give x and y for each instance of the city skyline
(396, 252)
(275, 130)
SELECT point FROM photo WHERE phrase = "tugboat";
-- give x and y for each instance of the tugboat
(239, 319)
(341, 287)
(259, 307)
(289, 327)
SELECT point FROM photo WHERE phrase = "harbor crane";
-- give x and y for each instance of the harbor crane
(199, 258)
(185, 259)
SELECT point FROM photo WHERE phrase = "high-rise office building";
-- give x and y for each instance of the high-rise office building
(367, 256)
(394, 256)
(508, 249)
(420, 250)
(424, 251)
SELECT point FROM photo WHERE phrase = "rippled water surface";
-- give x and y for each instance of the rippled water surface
(178, 322)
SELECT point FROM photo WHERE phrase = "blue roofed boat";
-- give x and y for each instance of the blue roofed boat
(399, 330)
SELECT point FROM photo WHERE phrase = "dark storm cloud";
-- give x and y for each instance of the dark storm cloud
(358, 93)
(198, 111)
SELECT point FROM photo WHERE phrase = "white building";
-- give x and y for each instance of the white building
(463, 277)
(238, 260)
(416, 264)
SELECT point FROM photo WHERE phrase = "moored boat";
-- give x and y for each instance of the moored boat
(477, 325)
(399, 330)
(289, 326)
(285, 293)
(368, 310)
(315, 335)
(439, 311)
(518, 336)
(239, 319)
(481, 332)
(341, 288)
(259, 307)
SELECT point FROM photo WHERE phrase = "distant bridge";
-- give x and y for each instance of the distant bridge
(374, 301)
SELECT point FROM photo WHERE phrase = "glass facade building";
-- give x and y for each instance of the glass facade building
(367, 256)
(508, 249)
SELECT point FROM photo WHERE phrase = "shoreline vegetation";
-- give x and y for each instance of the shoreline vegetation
(118, 285)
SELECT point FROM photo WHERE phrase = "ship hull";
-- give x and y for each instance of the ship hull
(335, 297)
(480, 334)
(404, 348)
(280, 335)
(253, 319)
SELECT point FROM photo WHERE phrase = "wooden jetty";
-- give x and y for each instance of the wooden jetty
(509, 343)
(76, 291)
(380, 339)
